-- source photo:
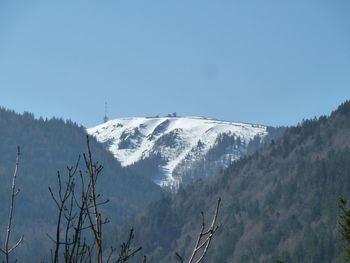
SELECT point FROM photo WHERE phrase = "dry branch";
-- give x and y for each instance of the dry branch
(14, 192)
(204, 238)
(79, 219)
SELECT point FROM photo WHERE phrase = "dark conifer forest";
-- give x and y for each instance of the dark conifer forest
(279, 203)
(48, 146)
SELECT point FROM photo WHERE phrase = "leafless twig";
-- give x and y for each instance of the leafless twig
(126, 251)
(14, 192)
(204, 238)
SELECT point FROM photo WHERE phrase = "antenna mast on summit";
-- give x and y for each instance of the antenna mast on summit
(105, 118)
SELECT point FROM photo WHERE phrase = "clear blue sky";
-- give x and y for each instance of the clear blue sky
(268, 62)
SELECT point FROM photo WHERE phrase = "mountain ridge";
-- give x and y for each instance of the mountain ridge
(176, 145)
(278, 203)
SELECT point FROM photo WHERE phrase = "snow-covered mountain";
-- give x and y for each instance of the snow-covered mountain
(173, 150)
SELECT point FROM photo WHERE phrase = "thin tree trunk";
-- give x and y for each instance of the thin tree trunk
(6, 251)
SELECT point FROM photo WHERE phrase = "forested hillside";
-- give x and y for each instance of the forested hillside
(281, 202)
(48, 146)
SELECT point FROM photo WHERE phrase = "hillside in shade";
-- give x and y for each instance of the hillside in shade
(46, 147)
(281, 202)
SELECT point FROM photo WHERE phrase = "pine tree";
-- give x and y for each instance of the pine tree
(344, 223)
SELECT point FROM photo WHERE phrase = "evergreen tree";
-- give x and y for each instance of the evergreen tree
(344, 223)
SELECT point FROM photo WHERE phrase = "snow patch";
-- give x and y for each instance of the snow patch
(174, 138)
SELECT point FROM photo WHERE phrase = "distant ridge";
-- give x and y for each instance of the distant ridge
(175, 150)
(278, 203)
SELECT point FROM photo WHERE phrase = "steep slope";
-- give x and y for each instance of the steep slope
(48, 146)
(173, 150)
(279, 203)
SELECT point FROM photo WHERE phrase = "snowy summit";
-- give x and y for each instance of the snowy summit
(176, 144)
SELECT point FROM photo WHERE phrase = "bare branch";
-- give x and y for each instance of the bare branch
(17, 244)
(202, 246)
(52, 239)
(126, 252)
(78, 212)
(179, 257)
(110, 254)
(14, 192)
